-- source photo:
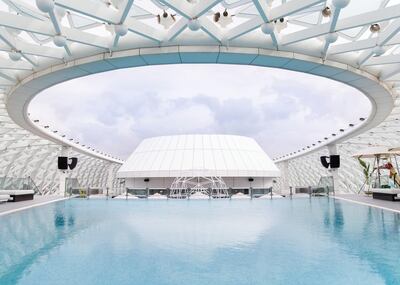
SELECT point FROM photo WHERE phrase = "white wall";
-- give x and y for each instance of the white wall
(165, 182)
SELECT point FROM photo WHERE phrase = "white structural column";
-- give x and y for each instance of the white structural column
(63, 174)
(110, 178)
(285, 187)
(335, 172)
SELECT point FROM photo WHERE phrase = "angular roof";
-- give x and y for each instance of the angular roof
(199, 155)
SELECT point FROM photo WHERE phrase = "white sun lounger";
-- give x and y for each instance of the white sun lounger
(385, 194)
(4, 198)
(18, 195)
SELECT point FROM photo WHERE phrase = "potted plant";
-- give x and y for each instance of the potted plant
(367, 175)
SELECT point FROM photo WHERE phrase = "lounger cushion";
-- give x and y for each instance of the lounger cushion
(386, 191)
(4, 197)
(16, 192)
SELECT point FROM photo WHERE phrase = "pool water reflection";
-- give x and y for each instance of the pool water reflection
(300, 241)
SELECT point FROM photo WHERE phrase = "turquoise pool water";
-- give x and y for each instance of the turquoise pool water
(300, 241)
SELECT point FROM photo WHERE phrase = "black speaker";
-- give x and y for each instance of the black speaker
(324, 161)
(146, 180)
(334, 161)
(73, 162)
(251, 179)
(62, 162)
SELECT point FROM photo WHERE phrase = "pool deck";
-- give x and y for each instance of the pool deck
(368, 201)
(11, 207)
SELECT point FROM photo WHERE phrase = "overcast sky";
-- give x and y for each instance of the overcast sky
(282, 110)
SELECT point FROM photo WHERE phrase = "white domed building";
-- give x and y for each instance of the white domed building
(182, 166)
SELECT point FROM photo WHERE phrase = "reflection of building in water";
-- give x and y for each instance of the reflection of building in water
(201, 228)
(208, 165)
(30, 234)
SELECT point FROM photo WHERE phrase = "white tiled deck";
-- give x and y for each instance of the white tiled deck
(368, 201)
(11, 207)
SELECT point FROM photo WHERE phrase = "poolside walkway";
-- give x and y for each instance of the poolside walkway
(11, 207)
(368, 201)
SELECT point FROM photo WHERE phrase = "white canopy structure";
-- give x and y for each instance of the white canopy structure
(198, 155)
(374, 151)
(198, 164)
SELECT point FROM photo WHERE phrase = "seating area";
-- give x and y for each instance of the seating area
(16, 195)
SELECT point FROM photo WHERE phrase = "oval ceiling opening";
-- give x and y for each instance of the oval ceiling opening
(283, 110)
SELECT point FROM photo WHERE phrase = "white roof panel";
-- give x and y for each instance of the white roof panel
(199, 155)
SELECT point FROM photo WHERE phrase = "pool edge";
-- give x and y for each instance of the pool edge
(367, 204)
(32, 206)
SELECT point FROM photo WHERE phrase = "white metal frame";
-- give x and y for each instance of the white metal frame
(184, 187)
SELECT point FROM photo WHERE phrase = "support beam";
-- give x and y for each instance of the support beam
(383, 38)
(15, 65)
(176, 29)
(332, 27)
(204, 6)
(124, 14)
(283, 10)
(46, 28)
(95, 10)
(57, 28)
(144, 30)
(8, 76)
(211, 29)
(10, 41)
(125, 11)
(383, 60)
(389, 72)
(181, 7)
(262, 8)
(368, 18)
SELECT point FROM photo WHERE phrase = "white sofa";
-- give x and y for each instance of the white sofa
(18, 195)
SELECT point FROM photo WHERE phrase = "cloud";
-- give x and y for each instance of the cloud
(282, 110)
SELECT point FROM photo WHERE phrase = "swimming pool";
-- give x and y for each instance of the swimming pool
(299, 241)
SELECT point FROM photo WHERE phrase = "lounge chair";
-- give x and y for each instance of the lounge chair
(18, 195)
(388, 194)
(4, 198)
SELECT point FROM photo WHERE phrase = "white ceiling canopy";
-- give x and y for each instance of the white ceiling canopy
(37, 34)
(40, 37)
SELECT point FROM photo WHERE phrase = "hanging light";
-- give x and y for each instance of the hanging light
(165, 19)
(326, 12)
(375, 28)
(280, 24)
(223, 19)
